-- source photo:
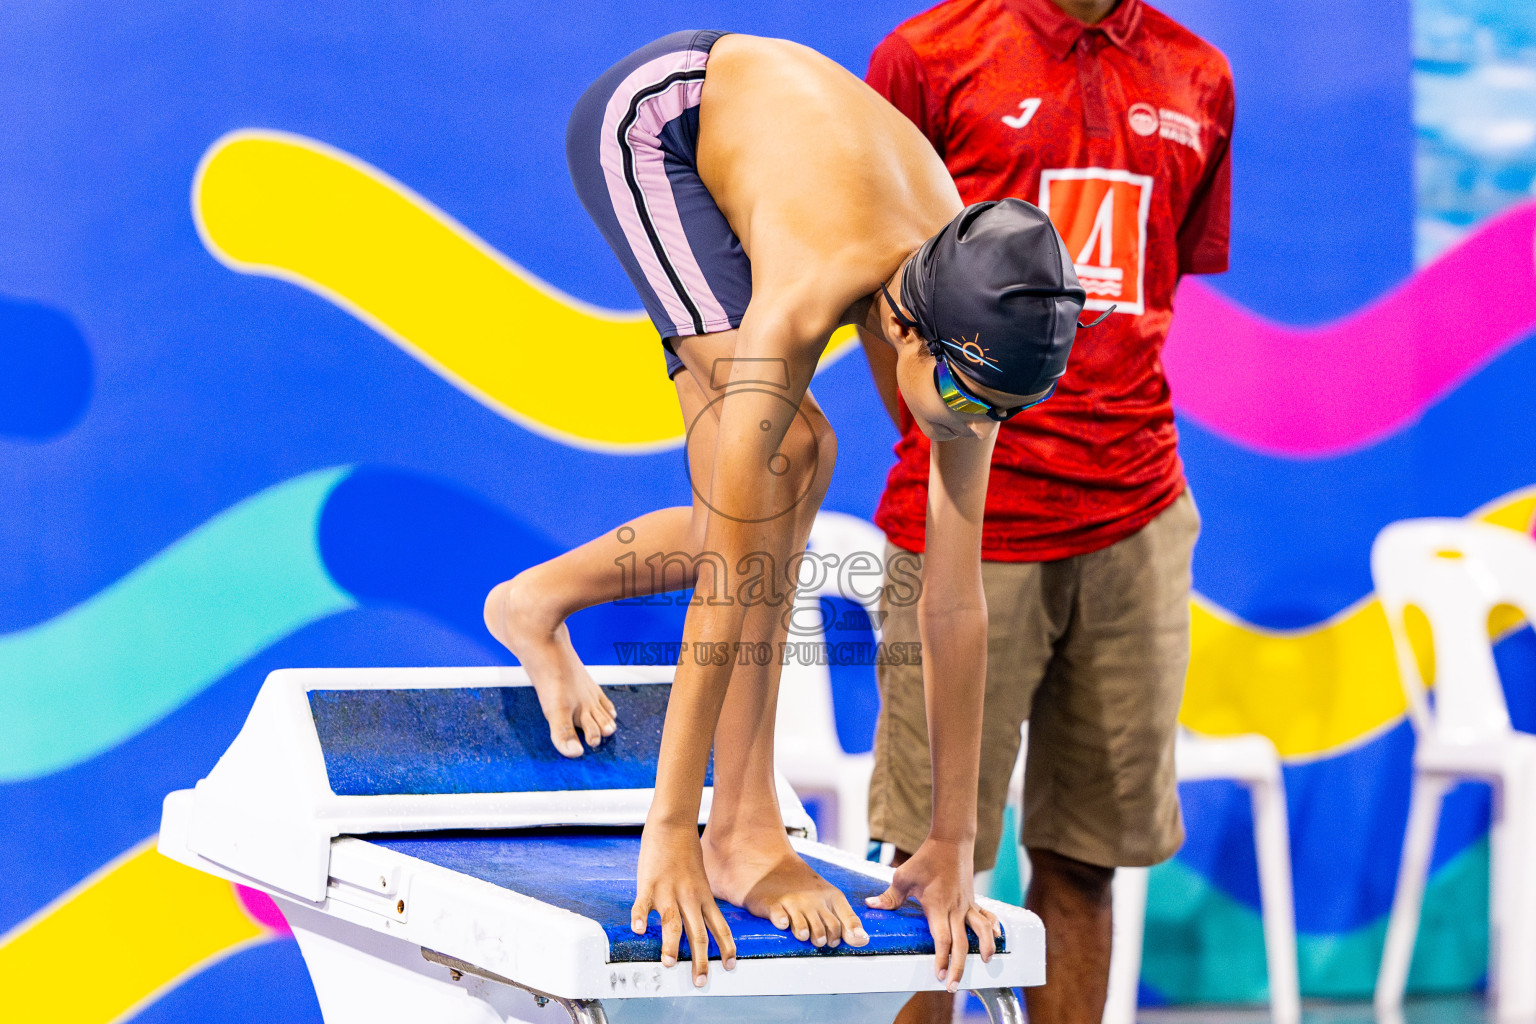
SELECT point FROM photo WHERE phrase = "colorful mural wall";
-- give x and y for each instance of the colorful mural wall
(278, 285)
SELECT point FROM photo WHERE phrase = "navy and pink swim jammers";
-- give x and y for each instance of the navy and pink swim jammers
(631, 146)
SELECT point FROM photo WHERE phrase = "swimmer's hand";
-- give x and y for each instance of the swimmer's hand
(671, 881)
(939, 877)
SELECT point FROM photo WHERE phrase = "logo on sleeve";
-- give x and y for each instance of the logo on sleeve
(1102, 216)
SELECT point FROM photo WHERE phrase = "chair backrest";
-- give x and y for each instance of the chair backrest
(858, 546)
(807, 720)
(1456, 571)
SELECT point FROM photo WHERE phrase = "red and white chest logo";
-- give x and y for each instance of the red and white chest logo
(1102, 216)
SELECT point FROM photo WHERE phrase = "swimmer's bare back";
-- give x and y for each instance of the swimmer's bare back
(826, 184)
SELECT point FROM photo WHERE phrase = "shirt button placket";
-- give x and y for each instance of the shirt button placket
(1090, 82)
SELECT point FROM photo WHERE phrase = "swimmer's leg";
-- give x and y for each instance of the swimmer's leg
(527, 613)
(747, 855)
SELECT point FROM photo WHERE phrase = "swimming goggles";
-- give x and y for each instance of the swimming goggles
(960, 400)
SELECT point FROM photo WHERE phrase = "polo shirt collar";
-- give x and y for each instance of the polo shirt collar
(1059, 31)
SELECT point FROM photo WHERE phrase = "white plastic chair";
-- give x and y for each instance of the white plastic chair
(1456, 571)
(806, 746)
(1253, 762)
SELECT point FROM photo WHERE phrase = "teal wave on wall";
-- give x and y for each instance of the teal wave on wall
(91, 677)
(1203, 946)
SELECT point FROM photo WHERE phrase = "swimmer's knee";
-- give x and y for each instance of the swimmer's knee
(819, 455)
(698, 525)
(826, 446)
(495, 610)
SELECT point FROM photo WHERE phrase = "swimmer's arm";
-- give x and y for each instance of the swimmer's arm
(952, 625)
(882, 367)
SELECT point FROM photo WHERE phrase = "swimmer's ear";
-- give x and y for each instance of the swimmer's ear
(905, 329)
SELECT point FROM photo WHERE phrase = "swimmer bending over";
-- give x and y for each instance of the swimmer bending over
(760, 196)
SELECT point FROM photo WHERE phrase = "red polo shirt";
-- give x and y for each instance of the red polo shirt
(1119, 132)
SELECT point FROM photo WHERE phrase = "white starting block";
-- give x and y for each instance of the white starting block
(440, 862)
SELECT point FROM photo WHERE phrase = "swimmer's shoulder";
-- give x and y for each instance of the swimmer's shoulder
(777, 71)
(735, 47)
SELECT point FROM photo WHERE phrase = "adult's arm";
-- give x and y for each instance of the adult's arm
(952, 624)
(896, 73)
(1204, 232)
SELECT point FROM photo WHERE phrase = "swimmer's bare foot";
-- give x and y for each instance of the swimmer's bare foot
(761, 873)
(569, 697)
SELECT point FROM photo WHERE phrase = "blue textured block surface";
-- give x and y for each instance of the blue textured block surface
(491, 739)
(592, 873)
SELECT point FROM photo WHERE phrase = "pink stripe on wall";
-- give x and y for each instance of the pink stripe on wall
(650, 172)
(1320, 391)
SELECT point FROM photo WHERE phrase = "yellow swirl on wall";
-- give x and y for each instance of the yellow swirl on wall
(120, 938)
(289, 207)
(286, 206)
(1313, 691)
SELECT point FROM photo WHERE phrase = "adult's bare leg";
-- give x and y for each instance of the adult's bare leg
(1073, 901)
(527, 613)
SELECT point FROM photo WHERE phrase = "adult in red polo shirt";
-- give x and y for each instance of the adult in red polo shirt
(1115, 120)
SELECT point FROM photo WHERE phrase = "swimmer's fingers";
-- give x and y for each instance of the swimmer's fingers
(700, 919)
(959, 946)
(985, 924)
(938, 927)
(698, 944)
(640, 913)
(722, 933)
(671, 934)
(893, 897)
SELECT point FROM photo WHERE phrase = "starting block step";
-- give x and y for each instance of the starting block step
(439, 861)
(594, 875)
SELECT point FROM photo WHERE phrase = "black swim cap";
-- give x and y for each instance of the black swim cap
(996, 293)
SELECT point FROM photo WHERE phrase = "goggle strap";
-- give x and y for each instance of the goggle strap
(896, 309)
(1083, 327)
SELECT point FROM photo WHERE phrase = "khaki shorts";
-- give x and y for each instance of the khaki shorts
(1092, 650)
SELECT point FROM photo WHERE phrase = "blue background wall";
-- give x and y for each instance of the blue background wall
(207, 475)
